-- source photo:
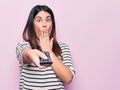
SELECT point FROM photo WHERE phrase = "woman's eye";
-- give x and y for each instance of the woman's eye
(38, 20)
(48, 20)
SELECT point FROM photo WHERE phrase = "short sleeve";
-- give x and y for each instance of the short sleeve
(67, 58)
(21, 46)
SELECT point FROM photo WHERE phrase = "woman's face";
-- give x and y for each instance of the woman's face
(42, 23)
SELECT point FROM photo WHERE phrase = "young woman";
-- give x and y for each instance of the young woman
(40, 36)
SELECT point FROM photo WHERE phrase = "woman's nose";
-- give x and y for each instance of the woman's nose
(44, 24)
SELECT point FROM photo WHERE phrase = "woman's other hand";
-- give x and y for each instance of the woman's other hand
(45, 43)
(33, 55)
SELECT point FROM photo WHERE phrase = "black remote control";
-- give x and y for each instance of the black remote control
(46, 62)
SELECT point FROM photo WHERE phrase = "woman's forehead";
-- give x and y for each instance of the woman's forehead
(42, 14)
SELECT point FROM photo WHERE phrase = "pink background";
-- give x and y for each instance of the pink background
(91, 28)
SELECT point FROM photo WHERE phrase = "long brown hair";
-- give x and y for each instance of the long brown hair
(29, 31)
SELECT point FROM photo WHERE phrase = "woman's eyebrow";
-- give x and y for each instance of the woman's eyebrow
(48, 16)
(39, 17)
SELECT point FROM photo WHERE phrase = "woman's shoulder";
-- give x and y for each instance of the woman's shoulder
(23, 44)
(63, 45)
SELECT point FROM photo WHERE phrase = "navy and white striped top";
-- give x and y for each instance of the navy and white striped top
(33, 78)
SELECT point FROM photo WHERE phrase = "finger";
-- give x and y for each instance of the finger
(42, 67)
(41, 34)
(39, 66)
(41, 38)
(51, 41)
(40, 41)
(36, 61)
(46, 35)
(41, 54)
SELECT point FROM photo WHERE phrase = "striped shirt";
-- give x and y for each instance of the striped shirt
(33, 78)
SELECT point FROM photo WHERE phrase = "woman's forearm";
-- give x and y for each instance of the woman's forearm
(61, 70)
(26, 56)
